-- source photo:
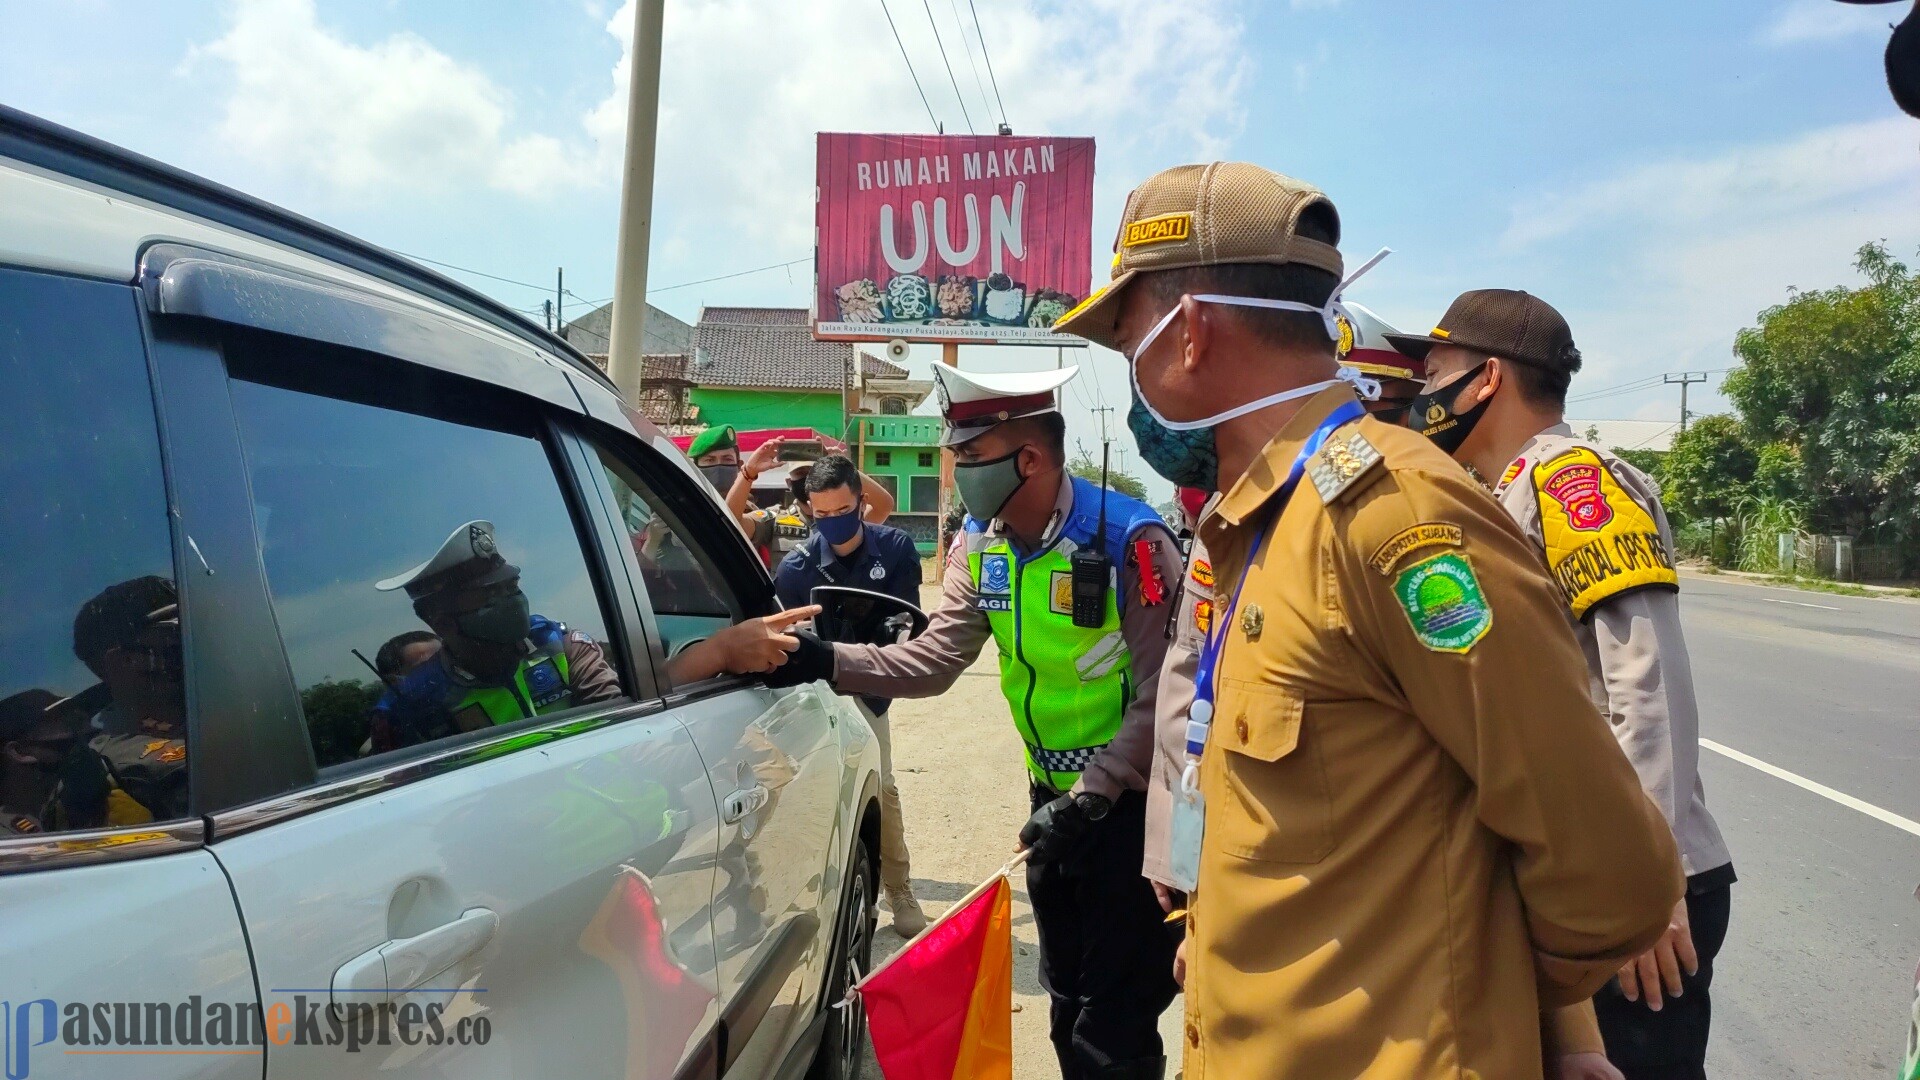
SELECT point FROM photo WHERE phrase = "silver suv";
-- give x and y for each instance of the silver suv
(273, 802)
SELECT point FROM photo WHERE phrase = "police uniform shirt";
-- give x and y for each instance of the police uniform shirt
(1639, 673)
(885, 562)
(1418, 831)
(957, 630)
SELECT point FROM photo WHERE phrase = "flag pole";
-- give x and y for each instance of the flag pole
(959, 905)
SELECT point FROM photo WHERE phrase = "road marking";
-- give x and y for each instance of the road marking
(1819, 789)
(1796, 603)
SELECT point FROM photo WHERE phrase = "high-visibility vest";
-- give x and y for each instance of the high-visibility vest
(1068, 686)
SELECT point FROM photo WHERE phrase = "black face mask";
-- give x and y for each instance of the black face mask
(720, 476)
(503, 620)
(1432, 413)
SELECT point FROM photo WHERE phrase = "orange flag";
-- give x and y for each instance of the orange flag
(942, 1008)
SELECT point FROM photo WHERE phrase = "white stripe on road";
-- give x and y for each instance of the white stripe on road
(1796, 603)
(1819, 789)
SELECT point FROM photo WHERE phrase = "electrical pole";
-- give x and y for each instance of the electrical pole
(559, 297)
(547, 306)
(626, 341)
(1685, 379)
(1103, 411)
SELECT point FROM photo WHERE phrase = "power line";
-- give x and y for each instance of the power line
(989, 59)
(909, 60)
(465, 270)
(943, 59)
(971, 62)
(702, 281)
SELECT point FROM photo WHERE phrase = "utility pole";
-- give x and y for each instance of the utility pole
(559, 297)
(1103, 411)
(1685, 379)
(950, 356)
(626, 341)
(547, 306)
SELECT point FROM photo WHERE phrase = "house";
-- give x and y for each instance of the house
(1654, 435)
(663, 335)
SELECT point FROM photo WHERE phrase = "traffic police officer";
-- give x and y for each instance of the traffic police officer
(1499, 363)
(1081, 696)
(498, 662)
(1400, 861)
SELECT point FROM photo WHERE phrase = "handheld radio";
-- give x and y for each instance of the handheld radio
(1092, 569)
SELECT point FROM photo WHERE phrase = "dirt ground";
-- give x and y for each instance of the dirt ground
(964, 789)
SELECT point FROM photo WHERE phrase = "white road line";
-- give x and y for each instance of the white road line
(1819, 789)
(1796, 603)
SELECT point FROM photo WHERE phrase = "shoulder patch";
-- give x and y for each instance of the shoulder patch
(1344, 460)
(1513, 472)
(1444, 602)
(1425, 534)
(1600, 542)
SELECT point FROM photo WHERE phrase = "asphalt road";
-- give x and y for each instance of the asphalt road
(1816, 979)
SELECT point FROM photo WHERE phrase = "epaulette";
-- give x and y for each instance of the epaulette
(1340, 464)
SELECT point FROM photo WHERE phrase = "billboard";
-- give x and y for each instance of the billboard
(978, 238)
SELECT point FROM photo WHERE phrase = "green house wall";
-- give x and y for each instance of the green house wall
(750, 409)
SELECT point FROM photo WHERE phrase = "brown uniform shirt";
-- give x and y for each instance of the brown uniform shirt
(1639, 673)
(1419, 831)
(957, 630)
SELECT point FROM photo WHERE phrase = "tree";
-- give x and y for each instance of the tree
(1087, 467)
(1830, 390)
(337, 720)
(1709, 469)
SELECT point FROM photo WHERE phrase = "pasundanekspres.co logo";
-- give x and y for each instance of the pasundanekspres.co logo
(42, 1026)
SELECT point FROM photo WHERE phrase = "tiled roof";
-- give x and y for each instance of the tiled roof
(773, 348)
(671, 367)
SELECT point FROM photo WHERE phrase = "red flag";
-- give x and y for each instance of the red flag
(942, 1008)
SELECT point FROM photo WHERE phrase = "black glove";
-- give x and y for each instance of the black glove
(1056, 827)
(811, 662)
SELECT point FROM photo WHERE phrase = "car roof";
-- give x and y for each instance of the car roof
(73, 204)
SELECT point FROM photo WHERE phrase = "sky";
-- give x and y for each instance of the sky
(1659, 172)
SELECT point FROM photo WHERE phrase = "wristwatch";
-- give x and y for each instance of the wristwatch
(1093, 806)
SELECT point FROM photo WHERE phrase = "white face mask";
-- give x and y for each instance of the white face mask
(1331, 314)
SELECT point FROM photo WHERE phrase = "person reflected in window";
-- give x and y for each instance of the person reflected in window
(404, 652)
(498, 662)
(129, 637)
(38, 733)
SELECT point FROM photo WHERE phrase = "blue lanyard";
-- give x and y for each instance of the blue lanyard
(1200, 714)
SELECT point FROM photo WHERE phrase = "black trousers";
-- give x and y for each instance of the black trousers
(1670, 1044)
(1106, 952)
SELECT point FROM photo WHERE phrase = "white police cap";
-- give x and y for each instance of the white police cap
(469, 558)
(973, 402)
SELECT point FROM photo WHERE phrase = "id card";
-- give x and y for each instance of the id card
(1187, 827)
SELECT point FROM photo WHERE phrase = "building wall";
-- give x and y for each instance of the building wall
(903, 452)
(748, 409)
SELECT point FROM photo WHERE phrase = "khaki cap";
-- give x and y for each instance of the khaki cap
(1206, 215)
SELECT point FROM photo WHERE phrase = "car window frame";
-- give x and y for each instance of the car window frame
(50, 851)
(690, 510)
(188, 355)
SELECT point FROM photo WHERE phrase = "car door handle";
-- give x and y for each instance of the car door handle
(743, 802)
(403, 964)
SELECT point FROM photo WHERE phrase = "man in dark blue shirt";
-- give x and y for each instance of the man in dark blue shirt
(844, 550)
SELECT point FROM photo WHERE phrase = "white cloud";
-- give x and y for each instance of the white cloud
(746, 84)
(1744, 185)
(1806, 21)
(1679, 254)
(396, 113)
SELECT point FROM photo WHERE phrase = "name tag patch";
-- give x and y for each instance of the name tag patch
(1166, 228)
(1425, 534)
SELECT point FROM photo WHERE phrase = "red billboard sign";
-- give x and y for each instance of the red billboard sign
(951, 237)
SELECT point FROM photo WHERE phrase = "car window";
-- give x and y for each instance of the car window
(426, 573)
(93, 725)
(689, 597)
